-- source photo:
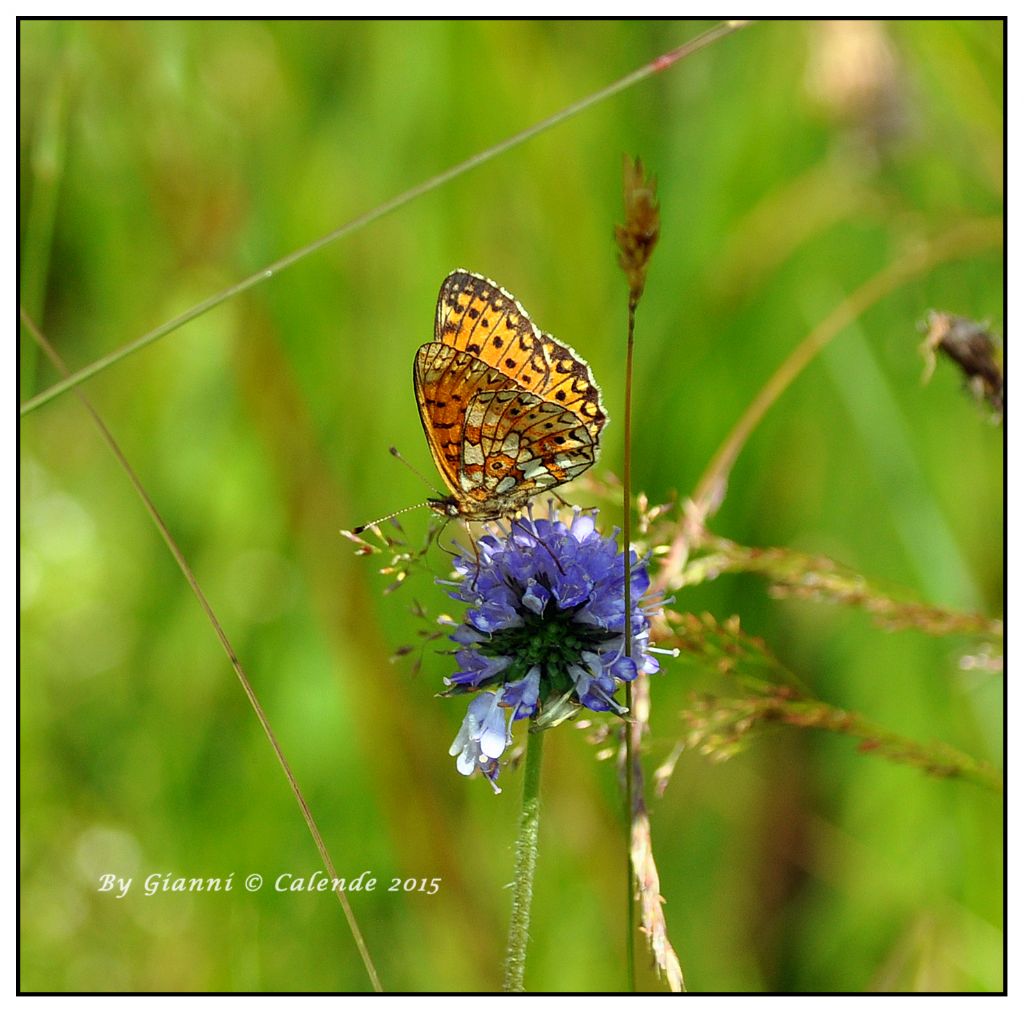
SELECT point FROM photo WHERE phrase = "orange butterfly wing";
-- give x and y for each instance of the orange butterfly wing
(446, 381)
(507, 411)
(479, 317)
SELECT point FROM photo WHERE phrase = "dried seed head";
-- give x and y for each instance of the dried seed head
(971, 346)
(637, 237)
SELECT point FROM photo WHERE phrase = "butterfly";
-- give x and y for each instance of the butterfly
(507, 411)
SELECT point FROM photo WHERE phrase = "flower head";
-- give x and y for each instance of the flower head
(545, 631)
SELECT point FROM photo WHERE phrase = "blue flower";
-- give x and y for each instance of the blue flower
(481, 739)
(545, 631)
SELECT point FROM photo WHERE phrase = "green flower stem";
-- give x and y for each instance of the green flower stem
(526, 865)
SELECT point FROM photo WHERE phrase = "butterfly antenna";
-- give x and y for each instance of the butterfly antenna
(397, 454)
(380, 520)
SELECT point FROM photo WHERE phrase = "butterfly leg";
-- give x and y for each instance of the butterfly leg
(561, 499)
(476, 556)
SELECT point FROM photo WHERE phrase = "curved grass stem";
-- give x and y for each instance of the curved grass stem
(250, 693)
(963, 240)
(655, 66)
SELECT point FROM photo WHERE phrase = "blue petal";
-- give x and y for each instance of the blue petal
(572, 587)
(623, 669)
(523, 694)
(493, 616)
(536, 596)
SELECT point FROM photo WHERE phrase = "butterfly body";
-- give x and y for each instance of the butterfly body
(507, 411)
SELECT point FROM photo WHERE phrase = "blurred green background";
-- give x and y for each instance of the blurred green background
(164, 161)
